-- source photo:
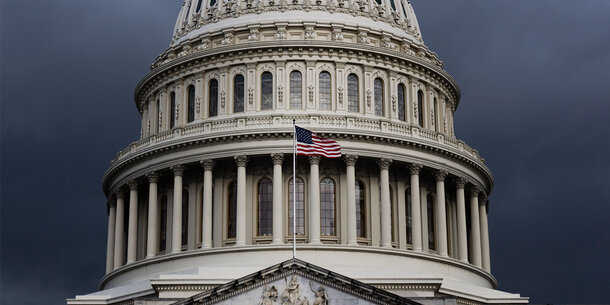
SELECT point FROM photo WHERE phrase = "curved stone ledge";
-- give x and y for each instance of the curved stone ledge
(336, 126)
(380, 262)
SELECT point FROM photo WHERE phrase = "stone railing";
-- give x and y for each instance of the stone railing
(345, 124)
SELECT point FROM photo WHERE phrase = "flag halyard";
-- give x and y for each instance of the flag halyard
(309, 144)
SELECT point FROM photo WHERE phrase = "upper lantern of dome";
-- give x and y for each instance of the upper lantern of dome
(198, 17)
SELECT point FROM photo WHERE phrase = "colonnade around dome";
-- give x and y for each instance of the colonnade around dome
(246, 201)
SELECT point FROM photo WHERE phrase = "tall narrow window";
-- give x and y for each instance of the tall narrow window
(352, 93)
(213, 98)
(296, 90)
(232, 210)
(172, 110)
(163, 224)
(185, 217)
(431, 223)
(300, 207)
(327, 207)
(191, 103)
(404, 11)
(378, 88)
(409, 216)
(401, 102)
(266, 91)
(324, 90)
(360, 210)
(238, 93)
(198, 6)
(265, 207)
(212, 3)
(420, 108)
(436, 118)
(156, 116)
(393, 5)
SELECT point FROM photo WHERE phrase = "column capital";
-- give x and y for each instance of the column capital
(440, 175)
(460, 182)
(133, 185)
(241, 160)
(350, 160)
(277, 158)
(208, 164)
(384, 163)
(178, 170)
(474, 191)
(119, 193)
(482, 198)
(415, 168)
(314, 160)
(153, 177)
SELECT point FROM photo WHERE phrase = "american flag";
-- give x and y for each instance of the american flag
(309, 144)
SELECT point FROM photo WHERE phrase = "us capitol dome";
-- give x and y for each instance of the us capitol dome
(200, 207)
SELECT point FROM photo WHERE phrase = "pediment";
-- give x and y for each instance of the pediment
(295, 282)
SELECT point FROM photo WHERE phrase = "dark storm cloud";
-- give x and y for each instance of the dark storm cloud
(534, 77)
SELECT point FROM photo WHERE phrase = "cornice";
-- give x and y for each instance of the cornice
(134, 156)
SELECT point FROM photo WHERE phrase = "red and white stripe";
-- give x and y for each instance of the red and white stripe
(321, 146)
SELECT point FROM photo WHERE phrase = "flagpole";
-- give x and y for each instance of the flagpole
(294, 189)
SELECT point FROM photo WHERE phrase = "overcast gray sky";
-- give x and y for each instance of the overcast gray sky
(535, 78)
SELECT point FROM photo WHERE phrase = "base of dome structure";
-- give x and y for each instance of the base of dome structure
(407, 276)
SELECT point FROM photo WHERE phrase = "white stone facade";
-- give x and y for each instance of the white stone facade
(404, 210)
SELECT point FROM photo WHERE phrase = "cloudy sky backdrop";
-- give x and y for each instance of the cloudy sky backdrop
(535, 80)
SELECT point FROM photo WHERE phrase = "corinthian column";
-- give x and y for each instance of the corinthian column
(484, 234)
(350, 161)
(240, 234)
(475, 229)
(386, 208)
(119, 236)
(110, 244)
(206, 233)
(314, 201)
(177, 209)
(278, 224)
(132, 233)
(152, 241)
(461, 220)
(441, 217)
(414, 170)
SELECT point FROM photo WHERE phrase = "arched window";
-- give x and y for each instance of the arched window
(185, 216)
(266, 91)
(172, 110)
(353, 102)
(163, 224)
(378, 89)
(296, 90)
(431, 223)
(191, 103)
(401, 102)
(360, 210)
(420, 108)
(232, 210)
(300, 207)
(238, 93)
(324, 90)
(265, 207)
(408, 216)
(198, 6)
(213, 98)
(327, 207)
